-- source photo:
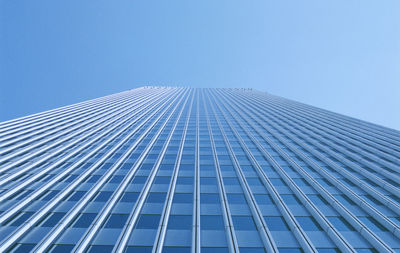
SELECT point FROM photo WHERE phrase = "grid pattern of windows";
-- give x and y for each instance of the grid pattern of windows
(169, 169)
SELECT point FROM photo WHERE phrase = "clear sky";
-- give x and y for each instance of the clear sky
(341, 55)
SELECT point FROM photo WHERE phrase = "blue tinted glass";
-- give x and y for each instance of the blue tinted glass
(231, 181)
(176, 250)
(84, 220)
(301, 182)
(103, 197)
(100, 249)
(185, 180)
(372, 224)
(330, 250)
(236, 199)
(156, 197)
(130, 197)
(340, 224)
(23, 248)
(208, 181)
(116, 179)
(116, 221)
(139, 180)
(62, 248)
(276, 223)
(183, 198)
(50, 195)
(148, 221)
(211, 222)
(317, 199)
(214, 250)
(243, 223)
(251, 250)
(209, 198)
(263, 199)
(53, 220)
(21, 218)
(187, 167)
(93, 179)
(367, 250)
(290, 250)
(345, 200)
(162, 180)
(308, 224)
(180, 222)
(290, 199)
(76, 196)
(277, 182)
(138, 249)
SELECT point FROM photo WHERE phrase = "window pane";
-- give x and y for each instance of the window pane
(148, 221)
(276, 223)
(212, 222)
(116, 221)
(180, 222)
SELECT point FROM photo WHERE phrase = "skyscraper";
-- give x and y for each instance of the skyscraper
(168, 169)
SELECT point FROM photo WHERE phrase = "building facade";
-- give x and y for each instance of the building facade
(169, 169)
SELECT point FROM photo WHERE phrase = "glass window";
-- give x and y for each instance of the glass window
(251, 250)
(130, 197)
(62, 248)
(139, 249)
(208, 181)
(100, 249)
(183, 198)
(139, 180)
(231, 181)
(103, 196)
(211, 222)
(148, 221)
(20, 218)
(23, 247)
(180, 222)
(371, 200)
(116, 179)
(209, 198)
(185, 180)
(116, 221)
(317, 199)
(290, 250)
(290, 199)
(162, 180)
(344, 199)
(156, 197)
(84, 220)
(76, 196)
(276, 223)
(277, 182)
(340, 224)
(52, 220)
(236, 199)
(263, 199)
(366, 250)
(93, 179)
(301, 182)
(308, 223)
(243, 223)
(328, 250)
(176, 250)
(50, 195)
(214, 250)
(324, 182)
(372, 224)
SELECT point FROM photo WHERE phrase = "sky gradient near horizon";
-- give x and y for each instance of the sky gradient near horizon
(342, 55)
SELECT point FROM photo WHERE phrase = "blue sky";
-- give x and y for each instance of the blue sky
(341, 55)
